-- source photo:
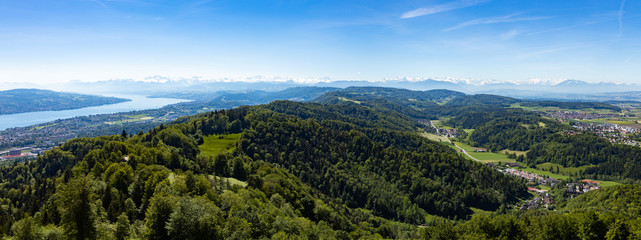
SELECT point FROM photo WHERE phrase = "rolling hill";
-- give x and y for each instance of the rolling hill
(32, 100)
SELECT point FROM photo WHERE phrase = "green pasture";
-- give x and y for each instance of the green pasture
(213, 144)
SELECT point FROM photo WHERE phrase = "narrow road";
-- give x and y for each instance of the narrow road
(463, 150)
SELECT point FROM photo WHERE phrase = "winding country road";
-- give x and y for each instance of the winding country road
(463, 150)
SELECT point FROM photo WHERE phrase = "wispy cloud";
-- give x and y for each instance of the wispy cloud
(491, 20)
(509, 35)
(100, 3)
(445, 7)
(621, 18)
(563, 28)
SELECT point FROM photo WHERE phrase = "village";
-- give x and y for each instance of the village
(21, 153)
(613, 132)
(543, 198)
(565, 116)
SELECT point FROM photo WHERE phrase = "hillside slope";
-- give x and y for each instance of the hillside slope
(31, 100)
(315, 177)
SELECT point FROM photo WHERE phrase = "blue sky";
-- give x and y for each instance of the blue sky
(49, 41)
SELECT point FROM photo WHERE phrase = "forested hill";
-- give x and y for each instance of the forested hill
(31, 100)
(279, 170)
(499, 123)
(414, 104)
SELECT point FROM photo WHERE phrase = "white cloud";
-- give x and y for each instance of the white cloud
(99, 3)
(563, 28)
(620, 15)
(509, 35)
(492, 20)
(445, 7)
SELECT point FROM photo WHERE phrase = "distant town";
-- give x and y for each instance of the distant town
(22, 153)
(613, 132)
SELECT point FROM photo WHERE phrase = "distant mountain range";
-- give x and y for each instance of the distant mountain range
(565, 90)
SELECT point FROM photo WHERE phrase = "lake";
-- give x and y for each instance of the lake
(137, 102)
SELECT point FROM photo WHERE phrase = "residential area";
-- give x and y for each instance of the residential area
(613, 132)
(21, 153)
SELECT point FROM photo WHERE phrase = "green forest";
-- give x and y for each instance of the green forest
(351, 165)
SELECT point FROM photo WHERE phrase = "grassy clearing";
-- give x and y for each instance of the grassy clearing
(131, 118)
(543, 187)
(562, 170)
(439, 123)
(478, 211)
(608, 183)
(348, 100)
(518, 153)
(596, 120)
(464, 146)
(622, 122)
(136, 116)
(490, 157)
(214, 145)
(484, 156)
(232, 181)
(41, 127)
(435, 137)
(535, 108)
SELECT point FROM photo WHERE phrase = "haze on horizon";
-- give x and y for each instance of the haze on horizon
(90, 40)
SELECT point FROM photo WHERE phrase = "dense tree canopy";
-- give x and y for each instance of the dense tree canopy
(348, 170)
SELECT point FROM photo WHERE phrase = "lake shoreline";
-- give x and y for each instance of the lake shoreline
(135, 103)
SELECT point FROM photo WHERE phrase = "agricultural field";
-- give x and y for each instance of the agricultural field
(439, 123)
(563, 172)
(131, 118)
(484, 156)
(534, 108)
(518, 153)
(435, 137)
(543, 187)
(478, 211)
(348, 100)
(608, 183)
(214, 145)
(41, 127)
(541, 169)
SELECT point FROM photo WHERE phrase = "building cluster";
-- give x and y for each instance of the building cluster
(48, 137)
(24, 152)
(583, 186)
(543, 199)
(450, 133)
(447, 132)
(573, 115)
(613, 132)
(533, 178)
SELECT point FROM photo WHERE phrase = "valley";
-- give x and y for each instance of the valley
(389, 163)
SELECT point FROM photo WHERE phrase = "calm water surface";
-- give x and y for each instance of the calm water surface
(137, 102)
